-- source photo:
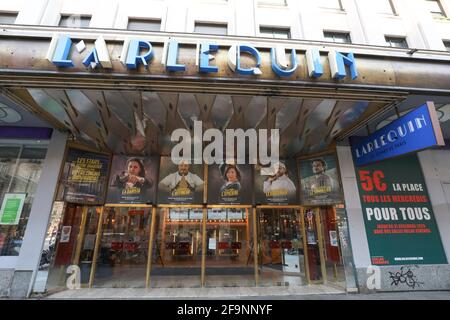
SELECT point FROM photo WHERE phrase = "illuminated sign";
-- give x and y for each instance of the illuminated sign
(137, 52)
(416, 130)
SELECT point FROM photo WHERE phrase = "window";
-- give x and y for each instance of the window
(273, 2)
(74, 21)
(280, 33)
(144, 24)
(211, 28)
(331, 4)
(447, 45)
(435, 7)
(7, 17)
(20, 169)
(384, 6)
(338, 37)
(396, 42)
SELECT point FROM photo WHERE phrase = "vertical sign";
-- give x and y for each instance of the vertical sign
(398, 216)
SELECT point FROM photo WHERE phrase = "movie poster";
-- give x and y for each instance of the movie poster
(230, 184)
(276, 184)
(180, 184)
(319, 180)
(84, 177)
(133, 180)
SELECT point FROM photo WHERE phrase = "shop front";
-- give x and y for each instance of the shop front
(188, 226)
(127, 214)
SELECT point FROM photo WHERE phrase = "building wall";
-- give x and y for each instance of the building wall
(307, 19)
(436, 170)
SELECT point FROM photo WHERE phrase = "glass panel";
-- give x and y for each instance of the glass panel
(7, 18)
(177, 248)
(20, 170)
(332, 252)
(48, 252)
(144, 25)
(122, 256)
(74, 21)
(396, 42)
(337, 37)
(330, 4)
(312, 245)
(74, 248)
(346, 249)
(229, 255)
(220, 29)
(383, 6)
(435, 8)
(281, 256)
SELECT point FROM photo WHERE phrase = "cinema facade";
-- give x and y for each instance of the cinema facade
(92, 199)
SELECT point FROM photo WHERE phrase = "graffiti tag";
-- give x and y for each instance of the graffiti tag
(407, 278)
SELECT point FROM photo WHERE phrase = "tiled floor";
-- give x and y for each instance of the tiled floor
(186, 293)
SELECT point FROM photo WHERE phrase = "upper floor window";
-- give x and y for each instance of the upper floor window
(338, 37)
(273, 2)
(435, 7)
(74, 21)
(281, 33)
(384, 6)
(8, 17)
(331, 4)
(447, 45)
(211, 28)
(144, 24)
(396, 42)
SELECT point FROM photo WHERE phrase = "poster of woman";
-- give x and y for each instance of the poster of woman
(132, 180)
(229, 184)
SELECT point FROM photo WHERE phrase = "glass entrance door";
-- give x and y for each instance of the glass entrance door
(229, 254)
(332, 248)
(281, 256)
(123, 249)
(177, 247)
(75, 244)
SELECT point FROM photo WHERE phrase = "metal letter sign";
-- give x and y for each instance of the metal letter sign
(59, 53)
(417, 130)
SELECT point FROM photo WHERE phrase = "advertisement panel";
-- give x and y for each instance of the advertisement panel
(84, 177)
(180, 184)
(133, 180)
(319, 181)
(230, 184)
(418, 129)
(398, 216)
(276, 184)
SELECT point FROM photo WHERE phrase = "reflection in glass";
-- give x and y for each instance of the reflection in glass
(177, 248)
(229, 255)
(281, 254)
(332, 252)
(20, 170)
(312, 245)
(75, 244)
(122, 256)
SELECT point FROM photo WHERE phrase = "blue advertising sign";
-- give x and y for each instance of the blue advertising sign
(416, 130)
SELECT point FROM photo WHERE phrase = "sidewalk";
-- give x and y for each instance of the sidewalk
(316, 292)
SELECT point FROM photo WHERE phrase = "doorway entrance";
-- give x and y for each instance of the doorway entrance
(75, 246)
(281, 254)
